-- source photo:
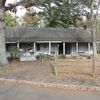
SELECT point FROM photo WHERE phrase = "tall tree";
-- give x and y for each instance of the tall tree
(31, 19)
(58, 13)
(61, 13)
(3, 56)
(93, 30)
(10, 20)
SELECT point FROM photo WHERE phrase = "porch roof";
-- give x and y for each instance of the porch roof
(28, 34)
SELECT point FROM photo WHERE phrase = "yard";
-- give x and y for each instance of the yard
(79, 69)
(70, 71)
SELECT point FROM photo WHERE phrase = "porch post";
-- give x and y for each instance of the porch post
(34, 47)
(89, 47)
(64, 48)
(77, 47)
(17, 45)
(49, 47)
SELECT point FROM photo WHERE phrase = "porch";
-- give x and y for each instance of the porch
(50, 48)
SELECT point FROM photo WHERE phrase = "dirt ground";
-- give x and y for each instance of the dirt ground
(81, 69)
(70, 71)
(78, 67)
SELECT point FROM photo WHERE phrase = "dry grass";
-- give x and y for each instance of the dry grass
(80, 68)
(71, 71)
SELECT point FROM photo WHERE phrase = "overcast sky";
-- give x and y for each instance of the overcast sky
(20, 10)
(11, 1)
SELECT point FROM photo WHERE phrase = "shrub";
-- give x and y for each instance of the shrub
(14, 52)
(39, 57)
(62, 56)
(74, 56)
(98, 52)
(86, 56)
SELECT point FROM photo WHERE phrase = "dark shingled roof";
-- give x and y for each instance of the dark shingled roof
(26, 34)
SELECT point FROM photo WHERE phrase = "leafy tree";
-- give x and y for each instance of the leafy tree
(63, 14)
(31, 19)
(9, 20)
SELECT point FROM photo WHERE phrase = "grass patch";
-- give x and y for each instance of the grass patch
(86, 56)
(52, 69)
(62, 56)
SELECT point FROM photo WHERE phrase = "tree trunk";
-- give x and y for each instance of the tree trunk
(93, 31)
(3, 56)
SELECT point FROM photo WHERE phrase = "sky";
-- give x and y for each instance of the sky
(11, 1)
(21, 10)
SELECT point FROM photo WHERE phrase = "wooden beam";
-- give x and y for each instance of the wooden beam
(49, 47)
(64, 48)
(18, 45)
(77, 47)
(89, 47)
(34, 47)
(49, 41)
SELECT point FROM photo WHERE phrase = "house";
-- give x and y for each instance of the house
(49, 40)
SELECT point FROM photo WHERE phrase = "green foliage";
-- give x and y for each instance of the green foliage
(52, 69)
(9, 20)
(39, 57)
(14, 52)
(64, 13)
(86, 56)
(98, 52)
(31, 20)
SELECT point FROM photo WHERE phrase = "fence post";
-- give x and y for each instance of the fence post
(55, 64)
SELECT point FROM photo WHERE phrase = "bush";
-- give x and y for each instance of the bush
(44, 57)
(39, 57)
(86, 56)
(74, 56)
(14, 52)
(98, 52)
(62, 56)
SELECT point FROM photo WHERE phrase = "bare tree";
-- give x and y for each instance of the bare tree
(3, 57)
(93, 31)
